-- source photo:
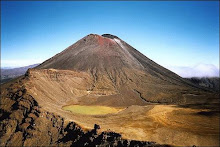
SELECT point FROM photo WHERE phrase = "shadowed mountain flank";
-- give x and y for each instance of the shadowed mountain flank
(210, 83)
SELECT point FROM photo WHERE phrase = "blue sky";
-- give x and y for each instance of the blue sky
(172, 33)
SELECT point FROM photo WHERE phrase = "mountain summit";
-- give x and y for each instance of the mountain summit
(110, 36)
(100, 52)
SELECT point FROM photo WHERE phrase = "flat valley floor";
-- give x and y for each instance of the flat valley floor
(164, 124)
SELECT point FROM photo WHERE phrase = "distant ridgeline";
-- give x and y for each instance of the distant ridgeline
(9, 74)
(210, 83)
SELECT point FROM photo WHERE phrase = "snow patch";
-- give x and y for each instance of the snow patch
(126, 51)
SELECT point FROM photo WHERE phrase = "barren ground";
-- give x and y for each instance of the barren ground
(164, 124)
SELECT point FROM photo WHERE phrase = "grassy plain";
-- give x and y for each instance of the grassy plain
(91, 110)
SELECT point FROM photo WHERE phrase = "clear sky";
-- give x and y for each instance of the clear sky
(172, 33)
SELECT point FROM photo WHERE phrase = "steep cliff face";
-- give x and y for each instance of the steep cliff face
(25, 123)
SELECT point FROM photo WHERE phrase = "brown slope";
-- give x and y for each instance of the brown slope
(92, 51)
(119, 72)
(107, 53)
